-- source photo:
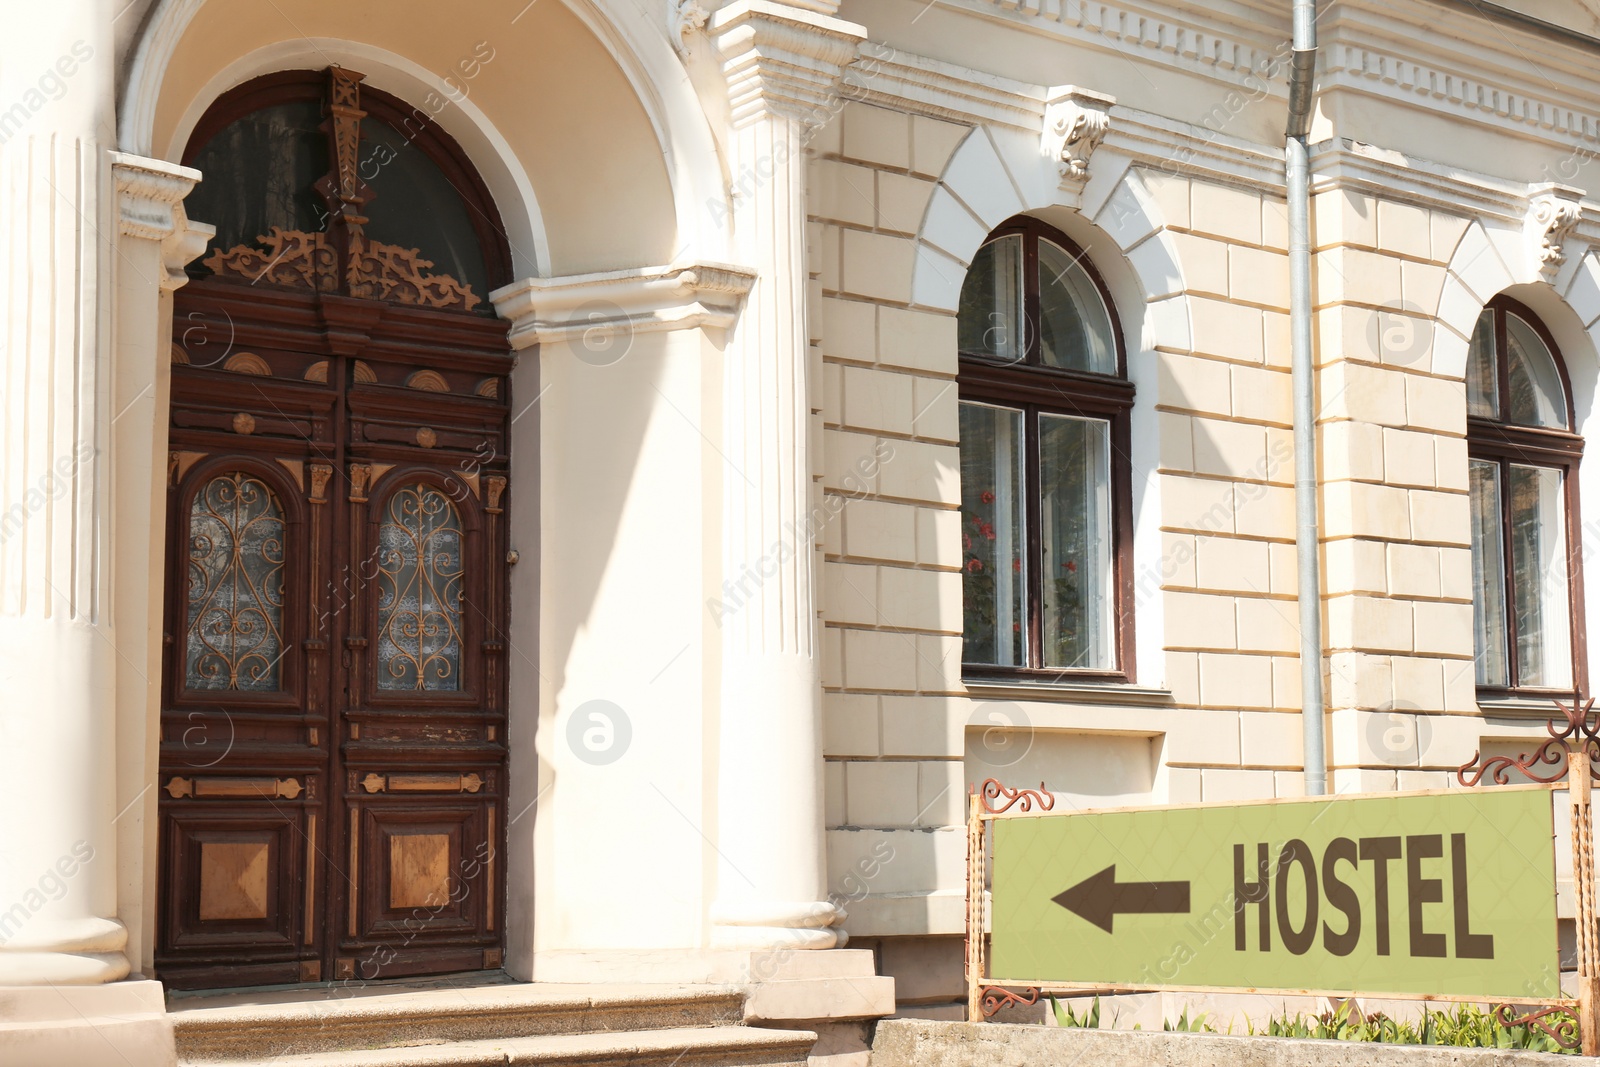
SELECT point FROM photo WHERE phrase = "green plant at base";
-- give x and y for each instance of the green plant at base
(1089, 1020)
(1464, 1026)
(1185, 1025)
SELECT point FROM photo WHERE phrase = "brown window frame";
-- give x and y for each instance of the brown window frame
(1506, 443)
(1036, 388)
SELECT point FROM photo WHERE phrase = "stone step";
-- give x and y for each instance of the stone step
(718, 1046)
(332, 1021)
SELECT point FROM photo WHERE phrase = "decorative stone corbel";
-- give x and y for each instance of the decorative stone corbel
(150, 196)
(1553, 211)
(684, 17)
(1075, 122)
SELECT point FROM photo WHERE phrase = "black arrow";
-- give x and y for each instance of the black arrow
(1099, 897)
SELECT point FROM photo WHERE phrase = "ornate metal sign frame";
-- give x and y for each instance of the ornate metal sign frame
(987, 994)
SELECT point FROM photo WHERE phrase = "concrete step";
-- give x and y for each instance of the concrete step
(718, 1046)
(333, 1020)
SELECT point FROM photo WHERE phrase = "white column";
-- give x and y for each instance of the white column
(58, 864)
(782, 65)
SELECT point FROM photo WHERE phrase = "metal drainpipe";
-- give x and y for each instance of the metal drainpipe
(1297, 172)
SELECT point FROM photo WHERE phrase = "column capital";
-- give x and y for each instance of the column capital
(150, 196)
(783, 59)
(147, 192)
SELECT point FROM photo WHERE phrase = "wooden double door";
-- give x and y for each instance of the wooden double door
(333, 745)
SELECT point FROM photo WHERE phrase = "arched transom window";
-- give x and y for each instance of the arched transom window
(316, 181)
(1045, 499)
(1523, 463)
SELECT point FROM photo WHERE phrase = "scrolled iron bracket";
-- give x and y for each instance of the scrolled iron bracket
(1577, 730)
(1564, 1033)
(1025, 799)
(998, 997)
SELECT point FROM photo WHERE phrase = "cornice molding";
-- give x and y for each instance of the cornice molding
(1229, 54)
(1349, 67)
(1347, 164)
(641, 300)
(923, 86)
(782, 59)
(907, 82)
(1463, 66)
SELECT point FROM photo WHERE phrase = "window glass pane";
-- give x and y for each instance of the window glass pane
(235, 618)
(1488, 574)
(990, 322)
(259, 172)
(1075, 469)
(419, 591)
(1074, 326)
(1537, 398)
(1483, 384)
(1539, 573)
(415, 206)
(994, 547)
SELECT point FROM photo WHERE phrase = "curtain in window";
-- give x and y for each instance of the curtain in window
(994, 553)
(1075, 514)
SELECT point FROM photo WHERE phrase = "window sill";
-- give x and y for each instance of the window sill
(1067, 692)
(1519, 706)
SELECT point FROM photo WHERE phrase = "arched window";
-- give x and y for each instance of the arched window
(314, 180)
(1523, 465)
(1045, 479)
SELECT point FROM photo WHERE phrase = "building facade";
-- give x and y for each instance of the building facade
(586, 487)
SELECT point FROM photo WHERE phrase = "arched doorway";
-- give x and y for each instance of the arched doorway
(333, 748)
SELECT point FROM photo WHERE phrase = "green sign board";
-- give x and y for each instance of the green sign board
(1440, 893)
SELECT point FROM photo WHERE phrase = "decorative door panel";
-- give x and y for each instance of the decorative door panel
(425, 872)
(333, 745)
(248, 875)
(243, 752)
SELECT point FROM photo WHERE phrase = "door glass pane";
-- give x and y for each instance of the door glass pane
(994, 548)
(414, 205)
(1488, 575)
(1537, 398)
(1539, 573)
(1075, 471)
(235, 616)
(1483, 383)
(1074, 326)
(419, 591)
(990, 322)
(260, 170)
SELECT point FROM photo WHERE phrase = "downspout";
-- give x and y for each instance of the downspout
(1297, 173)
